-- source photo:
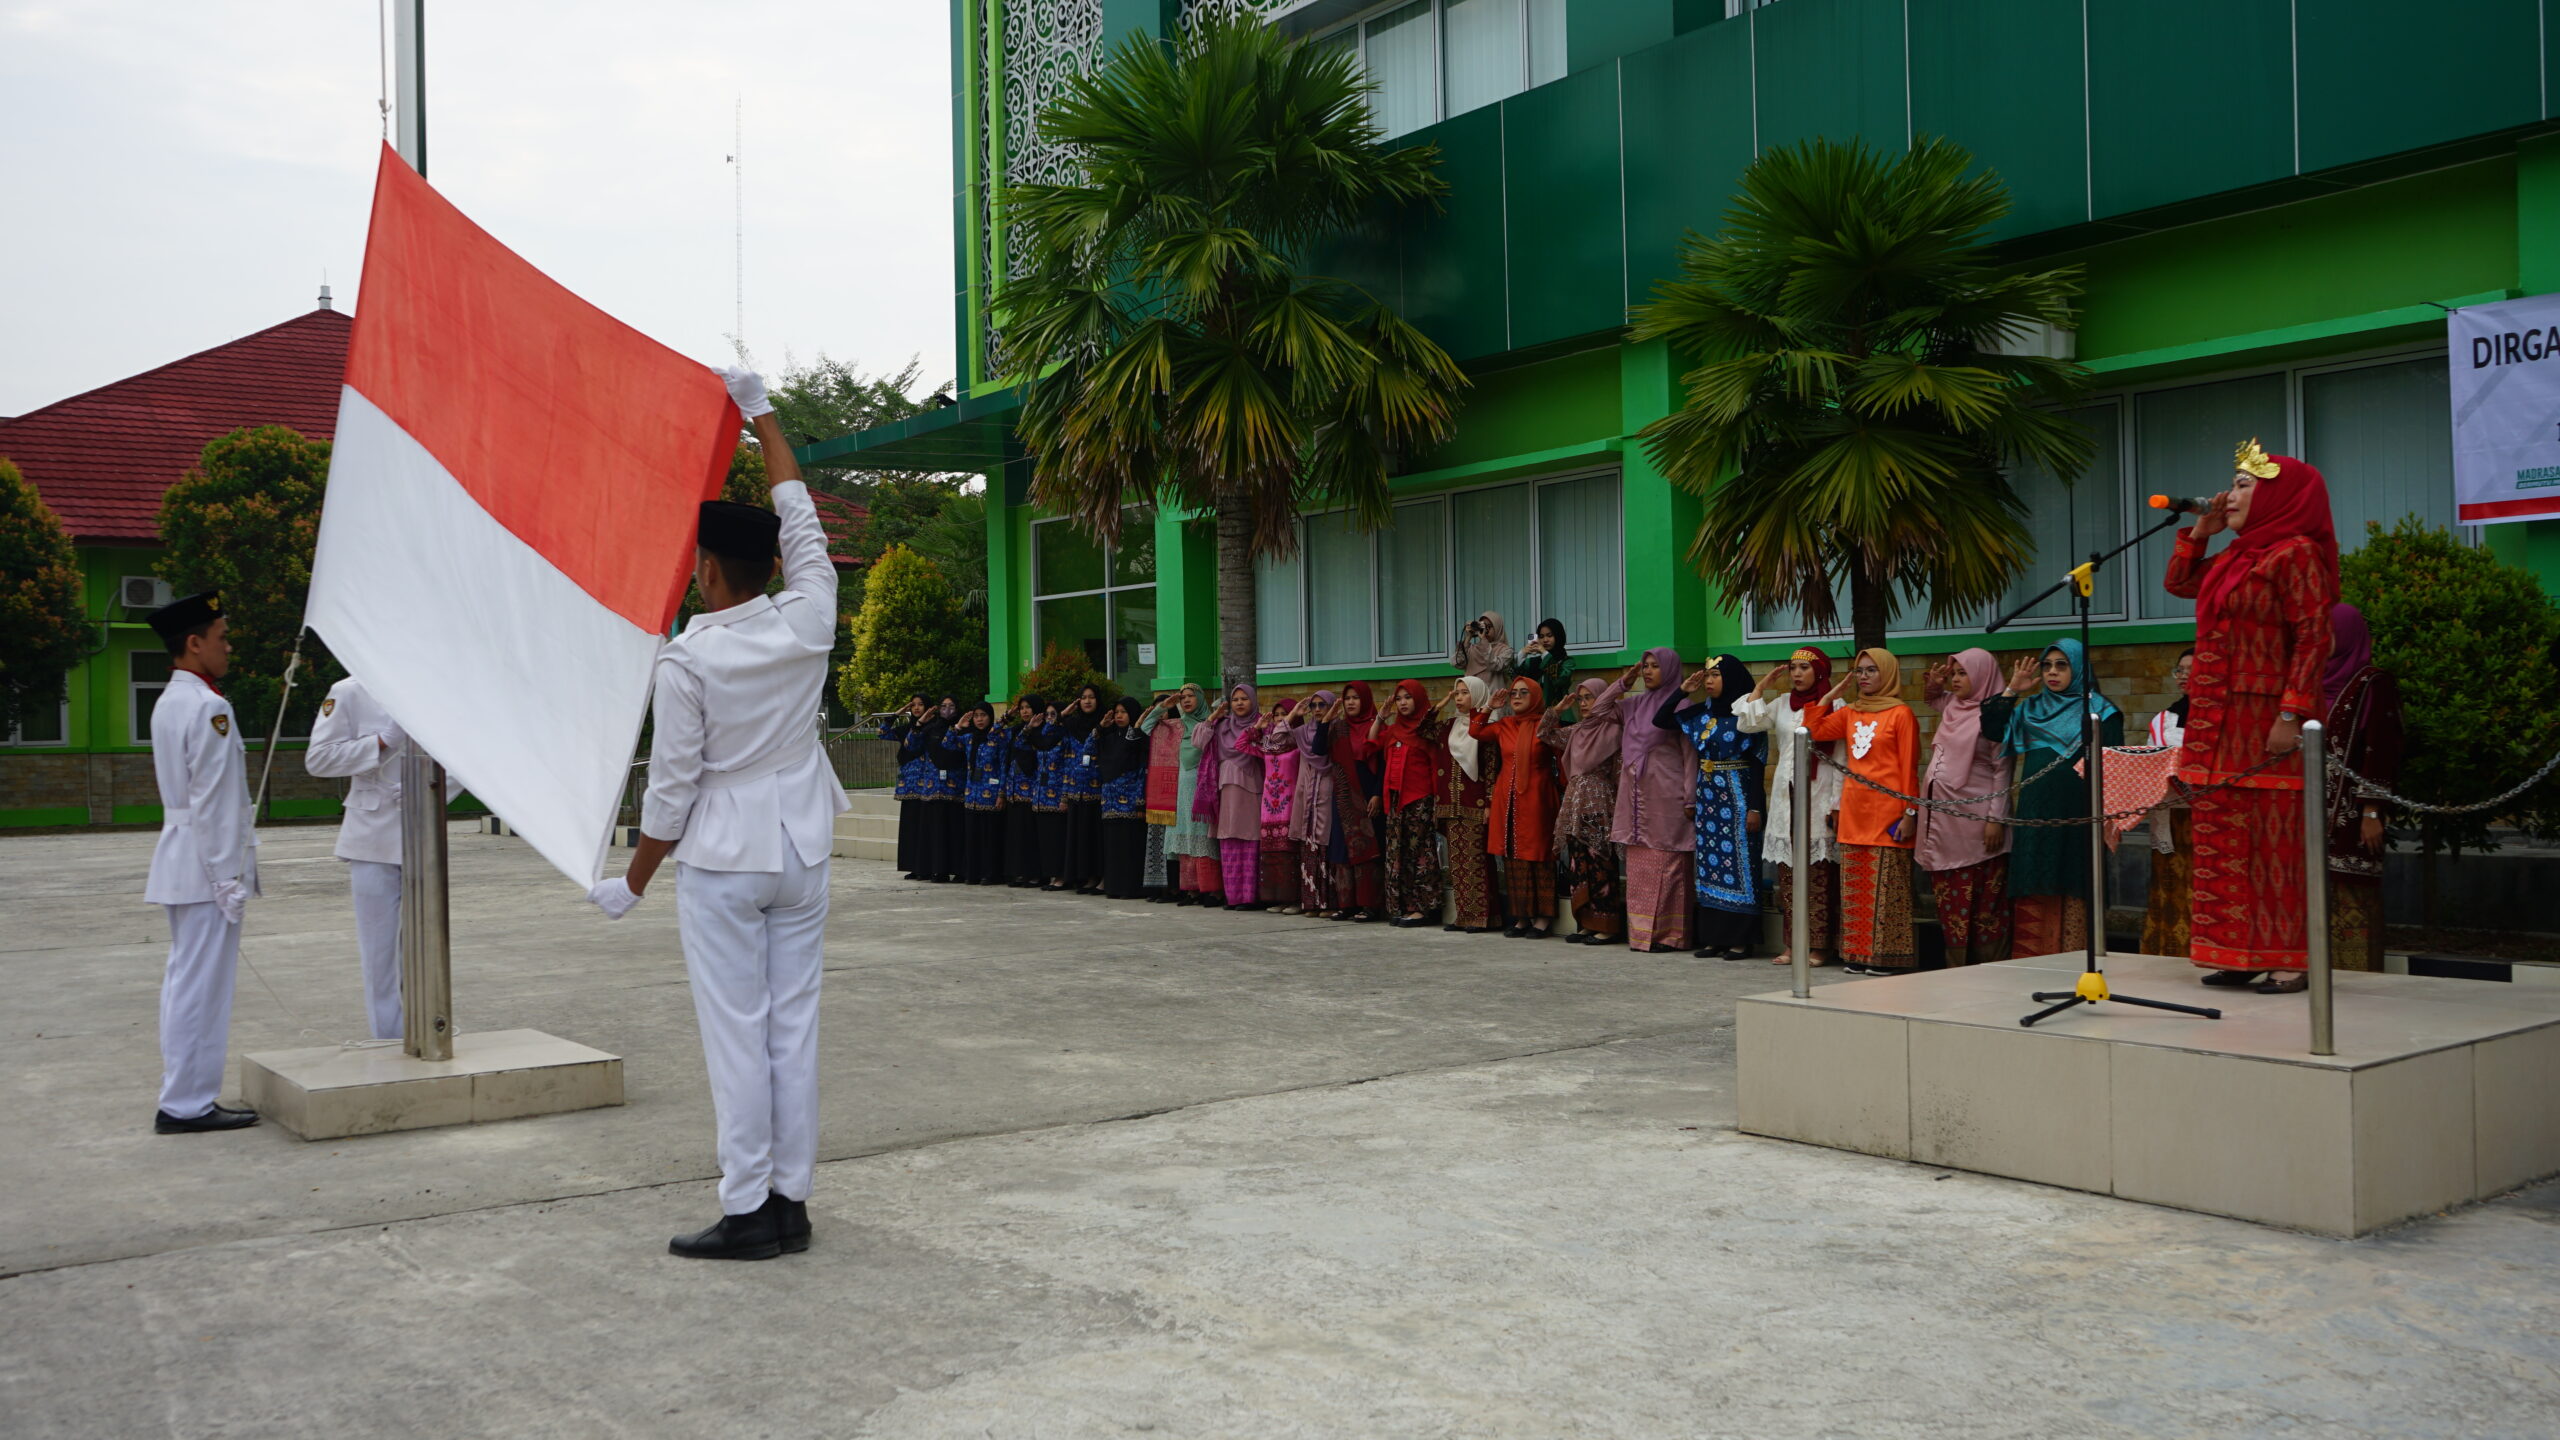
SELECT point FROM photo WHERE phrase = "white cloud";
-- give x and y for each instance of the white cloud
(184, 174)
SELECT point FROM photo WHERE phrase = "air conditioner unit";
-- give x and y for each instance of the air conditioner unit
(145, 593)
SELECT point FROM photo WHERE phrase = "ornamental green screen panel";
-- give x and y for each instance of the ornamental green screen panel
(2003, 79)
(2382, 76)
(2186, 98)
(1453, 271)
(1567, 257)
(1832, 69)
(1688, 140)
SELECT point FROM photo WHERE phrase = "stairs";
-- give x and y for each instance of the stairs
(868, 831)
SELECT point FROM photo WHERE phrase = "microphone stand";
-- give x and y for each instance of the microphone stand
(2082, 580)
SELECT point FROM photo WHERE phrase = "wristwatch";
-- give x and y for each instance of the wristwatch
(2288, 717)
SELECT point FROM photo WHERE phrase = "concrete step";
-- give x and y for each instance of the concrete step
(853, 825)
(872, 802)
(850, 849)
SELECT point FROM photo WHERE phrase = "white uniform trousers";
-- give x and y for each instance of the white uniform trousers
(377, 893)
(754, 948)
(195, 1007)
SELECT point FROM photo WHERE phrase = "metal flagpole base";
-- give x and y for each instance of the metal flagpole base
(330, 1091)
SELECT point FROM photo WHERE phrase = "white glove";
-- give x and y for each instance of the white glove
(613, 897)
(232, 898)
(747, 388)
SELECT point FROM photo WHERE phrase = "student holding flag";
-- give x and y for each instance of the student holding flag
(740, 792)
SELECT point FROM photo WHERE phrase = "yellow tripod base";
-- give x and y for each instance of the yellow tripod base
(2092, 987)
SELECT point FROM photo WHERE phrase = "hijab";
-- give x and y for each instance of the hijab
(1890, 695)
(2350, 650)
(1738, 682)
(1404, 728)
(2294, 501)
(1306, 731)
(1463, 743)
(1595, 736)
(1641, 738)
(2051, 719)
(1075, 720)
(1493, 634)
(1552, 623)
(1356, 745)
(1960, 718)
(1821, 685)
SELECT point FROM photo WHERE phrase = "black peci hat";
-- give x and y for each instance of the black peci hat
(178, 617)
(742, 532)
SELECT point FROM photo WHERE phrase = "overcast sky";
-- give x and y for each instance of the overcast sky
(179, 173)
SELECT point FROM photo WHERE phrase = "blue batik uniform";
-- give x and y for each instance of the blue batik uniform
(1126, 796)
(915, 762)
(1057, 757)
(1728, 787)
(1083, 782)
(949, 751)
(1022, 773)
(990, 762)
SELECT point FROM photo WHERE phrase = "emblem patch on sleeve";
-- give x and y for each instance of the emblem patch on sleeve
(221, 724)
(329, 705)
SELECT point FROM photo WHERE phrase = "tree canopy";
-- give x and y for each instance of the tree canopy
(908, 638)
(245, 522)
(44, 627)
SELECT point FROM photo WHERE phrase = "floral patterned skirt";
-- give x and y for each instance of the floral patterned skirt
(1973, 911)
(1822, 903)
(1413, 874)
(1588, 872)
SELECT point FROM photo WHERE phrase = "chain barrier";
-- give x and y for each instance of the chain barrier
(2375, 790)
(2016, 822)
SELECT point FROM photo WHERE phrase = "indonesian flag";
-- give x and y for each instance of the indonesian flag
(510, 516)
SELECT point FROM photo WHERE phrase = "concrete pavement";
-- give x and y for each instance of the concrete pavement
(1377, 1183)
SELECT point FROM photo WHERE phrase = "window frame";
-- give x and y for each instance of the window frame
(2121, 609)
(1357, 26)
(1107, 590)
(1449, 571)
(15, 739)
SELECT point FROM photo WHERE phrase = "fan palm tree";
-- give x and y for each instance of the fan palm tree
(1167, 344)
(1847, 417)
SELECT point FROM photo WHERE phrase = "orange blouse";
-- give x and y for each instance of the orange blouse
(1883, 746)
(1523, 821)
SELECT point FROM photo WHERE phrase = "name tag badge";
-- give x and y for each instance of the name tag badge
(1084, 759)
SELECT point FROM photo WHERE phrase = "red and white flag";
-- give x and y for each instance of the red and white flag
(510, 516)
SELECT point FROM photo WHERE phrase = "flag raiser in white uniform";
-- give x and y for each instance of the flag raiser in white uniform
(204, 869)
(356, 740)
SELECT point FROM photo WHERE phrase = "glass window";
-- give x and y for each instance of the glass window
(1338, 574)
(1546, 41)
(1496, 557)
(2382, 436)
(1397, 51)
(1117, 631)
(1133, 639)
(45, 727)
(1279, 624)
(1413, 581)
(147, 674)
(1133, 560)
(1079, 622)
(2182, 443)
(1580, 578)
(1064, 559)
(1483, 57)
(2069, 522)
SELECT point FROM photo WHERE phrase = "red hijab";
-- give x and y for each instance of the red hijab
(1413, 767)
(1403, 728)
(1821, 686)
(2295, 501)
(1357, 747)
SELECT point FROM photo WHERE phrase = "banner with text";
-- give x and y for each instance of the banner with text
(2505, 361)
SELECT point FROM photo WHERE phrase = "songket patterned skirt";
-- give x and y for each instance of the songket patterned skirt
(2047, 925)
(1589, 873)
(2170, 907)
(1470, 871)
(1200, 874)
(1875, 907)
(1973, 911)
(1240, 869)
(1658, 890)
(2355, 921)
(1822, 902)
(1413, 874)
(1529, 888)
(1279, 859)
(1157, 874)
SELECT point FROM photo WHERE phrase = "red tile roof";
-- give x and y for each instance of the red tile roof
(843, 520)
(102, 459)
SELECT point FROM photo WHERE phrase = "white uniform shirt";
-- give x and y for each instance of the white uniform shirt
(206, 830)
(736, 762)
(1774, 716)
(348, 742)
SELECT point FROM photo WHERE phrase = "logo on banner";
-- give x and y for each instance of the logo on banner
(2505, 392)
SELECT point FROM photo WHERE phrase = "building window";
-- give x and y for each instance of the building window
(1096, 599)
(146, 675)
(51, 727)
(1431, 59)
(1526, 550)
(2378, 426)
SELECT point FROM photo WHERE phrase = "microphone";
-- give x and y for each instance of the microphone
(2183, 504)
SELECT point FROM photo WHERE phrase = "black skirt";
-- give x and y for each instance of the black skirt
(1724, 929)
(955, 839)
(1124, 857)
(911, 836)
(1084, 843)
(1052, 828)
(1021, 843)
(982, 849)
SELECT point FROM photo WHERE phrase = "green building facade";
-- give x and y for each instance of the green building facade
(2275, 201)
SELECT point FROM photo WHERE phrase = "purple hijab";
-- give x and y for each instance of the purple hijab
(2350, 650)
(1224, 755)
(1653, 768)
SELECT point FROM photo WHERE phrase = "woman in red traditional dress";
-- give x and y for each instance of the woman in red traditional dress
(1520, 829)
(2262, 638)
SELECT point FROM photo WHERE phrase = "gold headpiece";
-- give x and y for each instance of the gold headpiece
(2248, 459)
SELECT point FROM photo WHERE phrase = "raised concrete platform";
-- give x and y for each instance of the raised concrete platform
(333, 1091)
(2442, 1091)
(868, 831)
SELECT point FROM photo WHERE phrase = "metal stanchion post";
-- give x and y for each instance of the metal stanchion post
(2315, 883)
(2093, 745)
(1800, 841)
(426, 940)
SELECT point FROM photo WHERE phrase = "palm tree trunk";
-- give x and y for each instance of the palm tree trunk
(1238, 622)
(1870, 607)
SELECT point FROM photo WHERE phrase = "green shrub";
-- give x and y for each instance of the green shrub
(1062, 674)
(2471, 643)
(44, 629)
(908, 638)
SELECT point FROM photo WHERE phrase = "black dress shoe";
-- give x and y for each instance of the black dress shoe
(756, 1235)
(2230, 979)
(220, 1117)
(1513, 931)
(790, 1221)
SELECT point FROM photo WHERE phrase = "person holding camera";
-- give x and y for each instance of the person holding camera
(1484, 651)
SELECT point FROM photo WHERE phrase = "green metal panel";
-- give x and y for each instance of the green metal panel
(1120, 17)
(1369, 255)
(1688, 139)
(2003, 79)
(1831, 68)
(2380, 76)
(1597, 31)
(2436, 236)
(1666, 602)
(2167, 121)
(1008, 589)
(1529, 408)
(1567, 256)
(1453, 272)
